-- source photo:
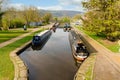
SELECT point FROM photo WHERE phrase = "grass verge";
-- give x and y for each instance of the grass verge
(90, 64)
(7, 35)
(113, 46)
(89, 73)
(6, 65)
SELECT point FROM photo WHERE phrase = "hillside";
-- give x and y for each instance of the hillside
(60, 13)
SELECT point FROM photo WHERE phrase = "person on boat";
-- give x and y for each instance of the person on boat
(81, 47)
(78, 48)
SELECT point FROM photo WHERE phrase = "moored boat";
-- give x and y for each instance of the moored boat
(40, 37)
(80, 52)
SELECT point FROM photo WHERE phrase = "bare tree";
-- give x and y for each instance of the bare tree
(31, 14)
(1, 13)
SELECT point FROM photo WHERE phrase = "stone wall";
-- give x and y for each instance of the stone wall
(21, 70)
(88, 64)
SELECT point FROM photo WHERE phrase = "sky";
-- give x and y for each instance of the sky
(48, 4)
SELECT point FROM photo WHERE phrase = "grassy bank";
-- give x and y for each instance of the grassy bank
(7, 35)
(113, 46)
(6, 66)
(90, 66)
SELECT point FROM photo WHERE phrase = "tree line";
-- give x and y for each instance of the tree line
(103, 18)
(13, 18)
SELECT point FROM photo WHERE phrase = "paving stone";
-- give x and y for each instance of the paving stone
(22, 79)
(23, 74)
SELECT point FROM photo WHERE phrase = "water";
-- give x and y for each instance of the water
(54, 61)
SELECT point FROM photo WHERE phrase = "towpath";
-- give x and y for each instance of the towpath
(23, 35)
(107, 64)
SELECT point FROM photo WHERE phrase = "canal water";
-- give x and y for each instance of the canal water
(54, 61)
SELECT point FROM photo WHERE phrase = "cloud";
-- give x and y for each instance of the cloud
(76, 3)
(70, 2)
(57, 7)
(18, 6)
(62, 5)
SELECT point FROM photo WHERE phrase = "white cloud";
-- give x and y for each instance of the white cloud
(76, 3)
(70, 2)
(57, 7)
(62, 5)
(18, 6)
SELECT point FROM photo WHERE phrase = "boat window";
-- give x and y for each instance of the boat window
(36, 37)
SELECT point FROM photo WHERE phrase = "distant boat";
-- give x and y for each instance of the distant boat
(67, 27)
(54, 27)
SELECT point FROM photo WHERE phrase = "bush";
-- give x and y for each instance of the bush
(113, 36)
(17, 23)
(5, 24)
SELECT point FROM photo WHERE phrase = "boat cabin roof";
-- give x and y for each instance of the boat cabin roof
(40, 34)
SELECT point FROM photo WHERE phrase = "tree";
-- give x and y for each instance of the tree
(1, 12)
(47, 17)
(103, 17)
(77, 17)
(3, 3)
(12, 19)
(7, 18)
(31, 14)
(55, 19)
(65, 19)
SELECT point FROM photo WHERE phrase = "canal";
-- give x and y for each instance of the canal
(54, 61)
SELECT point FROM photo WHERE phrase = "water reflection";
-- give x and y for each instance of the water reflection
(54, 61)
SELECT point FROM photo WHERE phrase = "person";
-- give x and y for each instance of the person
(25, 28)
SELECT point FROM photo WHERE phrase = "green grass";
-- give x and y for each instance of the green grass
(90, 66)
(91, 34)
(114, 47)
(7, 35)
(6, 66)
(89, 73)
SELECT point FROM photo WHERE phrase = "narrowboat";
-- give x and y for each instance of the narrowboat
(67, 27)
(40, 37)
(79, 50)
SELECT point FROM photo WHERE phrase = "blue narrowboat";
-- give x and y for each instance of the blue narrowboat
(41, 37)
